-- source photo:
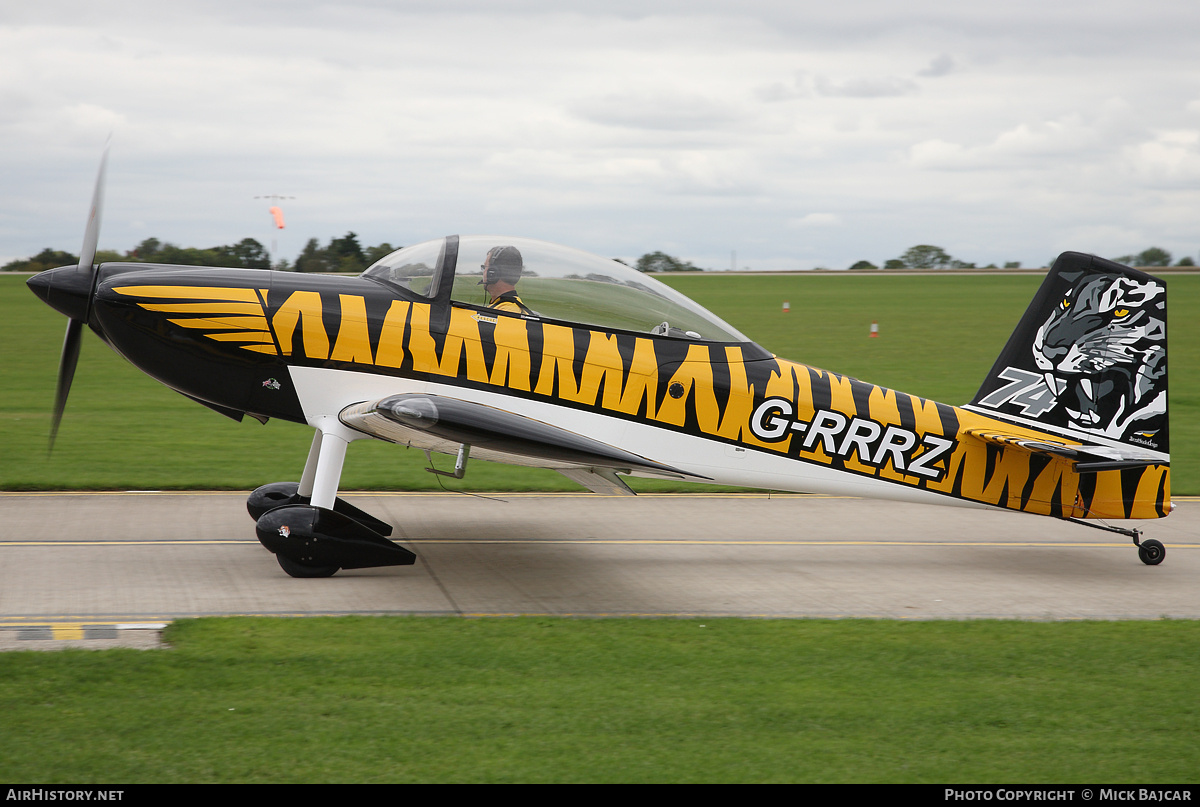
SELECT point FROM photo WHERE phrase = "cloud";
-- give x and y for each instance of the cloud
(941, 65)
(663, 110)
(1171, 158)
(1022, 146)
(798, 87)
(883, 87)
(816, 220)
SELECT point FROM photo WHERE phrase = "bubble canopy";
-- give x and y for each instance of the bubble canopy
(556, 282)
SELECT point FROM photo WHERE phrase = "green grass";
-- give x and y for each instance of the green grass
(383, 699)
(939, 337)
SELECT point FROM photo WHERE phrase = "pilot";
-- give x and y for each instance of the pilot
(501, 271)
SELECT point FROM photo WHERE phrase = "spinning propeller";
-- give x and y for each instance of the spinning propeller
(69, 289)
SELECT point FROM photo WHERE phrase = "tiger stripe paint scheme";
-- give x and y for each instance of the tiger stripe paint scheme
(735, 394)
(609, 371)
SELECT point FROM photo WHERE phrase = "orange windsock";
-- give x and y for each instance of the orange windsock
(277, 214)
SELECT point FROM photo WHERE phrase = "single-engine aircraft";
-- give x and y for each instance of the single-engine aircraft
(598, 371)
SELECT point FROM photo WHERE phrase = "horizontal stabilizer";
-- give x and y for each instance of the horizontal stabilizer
(1087, 458)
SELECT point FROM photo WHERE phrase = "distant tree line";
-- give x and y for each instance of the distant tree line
(46, 259)
(247, 254)
(927, 256)
(662, 262)
(346, 254)
(1154, 256)
(343, 254)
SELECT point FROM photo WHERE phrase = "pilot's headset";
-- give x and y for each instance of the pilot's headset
(502, 264)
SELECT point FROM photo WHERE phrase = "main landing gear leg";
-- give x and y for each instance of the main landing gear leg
(277, 494)
(312, 532)
(1151, 552)
(310, 466)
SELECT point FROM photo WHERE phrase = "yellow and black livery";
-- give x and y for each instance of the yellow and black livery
(617, 374)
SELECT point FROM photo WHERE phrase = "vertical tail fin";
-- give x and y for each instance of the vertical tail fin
(1089, 358)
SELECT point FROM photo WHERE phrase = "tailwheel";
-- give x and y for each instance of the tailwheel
(1152, 552)
(301, 570)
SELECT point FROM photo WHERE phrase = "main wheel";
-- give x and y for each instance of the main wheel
(1152, 552)
(300, 570)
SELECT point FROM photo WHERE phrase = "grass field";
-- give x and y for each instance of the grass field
(382, 699)
(939, 337)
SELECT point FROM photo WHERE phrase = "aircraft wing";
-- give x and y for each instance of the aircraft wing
(1087, 457)
(442, 423)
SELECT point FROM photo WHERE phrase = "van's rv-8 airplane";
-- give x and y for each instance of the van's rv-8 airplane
(601, 371)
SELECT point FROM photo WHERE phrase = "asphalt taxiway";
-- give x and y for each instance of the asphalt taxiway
(94, 569)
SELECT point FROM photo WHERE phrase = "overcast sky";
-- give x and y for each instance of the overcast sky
(797, 134)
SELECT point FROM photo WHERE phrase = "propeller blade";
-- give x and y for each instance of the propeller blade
(66, 373)
(91, 235)
(74, 337)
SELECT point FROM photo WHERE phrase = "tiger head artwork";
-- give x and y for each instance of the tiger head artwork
(1102, 354)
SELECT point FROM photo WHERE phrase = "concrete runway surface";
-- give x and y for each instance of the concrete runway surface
(98, 569)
